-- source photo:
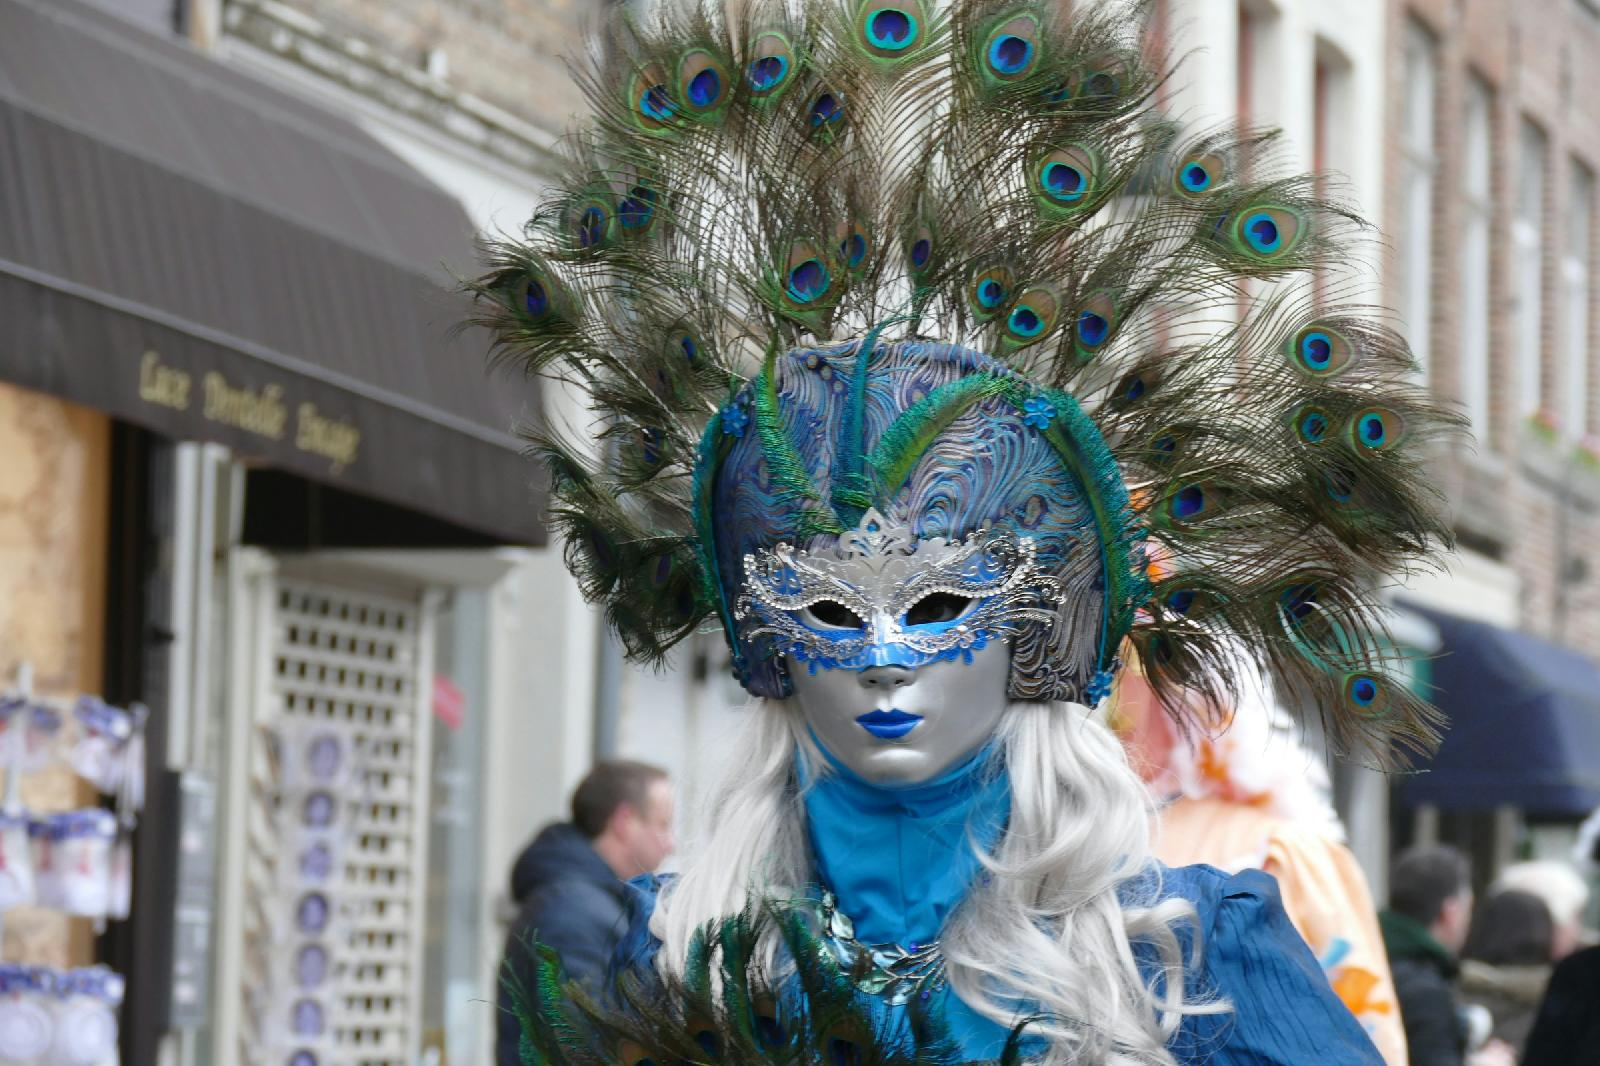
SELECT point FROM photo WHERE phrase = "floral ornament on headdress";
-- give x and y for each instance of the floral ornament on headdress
(945, 261)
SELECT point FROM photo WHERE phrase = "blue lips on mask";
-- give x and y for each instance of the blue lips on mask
(889, 725)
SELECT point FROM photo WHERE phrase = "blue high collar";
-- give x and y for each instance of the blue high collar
(899, 860)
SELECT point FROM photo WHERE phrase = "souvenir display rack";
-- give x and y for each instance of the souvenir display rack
(76, 862)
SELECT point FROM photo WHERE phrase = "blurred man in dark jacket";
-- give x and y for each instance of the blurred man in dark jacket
(569, 883)
(1430, 912)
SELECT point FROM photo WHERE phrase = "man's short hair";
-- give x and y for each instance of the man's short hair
(1424, 878)
(608, 786)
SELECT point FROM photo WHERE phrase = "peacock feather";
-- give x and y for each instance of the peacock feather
(731, 1008)
(776, 188)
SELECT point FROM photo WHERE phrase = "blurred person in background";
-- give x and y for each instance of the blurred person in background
(570, 884)
(1567, 1029)
(1563, 891)
(1507, 960)
(1424, 929)
(1247, 794)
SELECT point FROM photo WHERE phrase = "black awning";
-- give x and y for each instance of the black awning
(1524, 723)
(187, 248)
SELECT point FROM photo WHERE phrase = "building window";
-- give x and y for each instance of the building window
(1527, 243)
(1259, 69)
(1418, 167)
(1476, 206)
(1576, 271)
(1330, 151)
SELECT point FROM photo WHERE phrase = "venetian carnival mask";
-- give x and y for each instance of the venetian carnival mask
(977, 536)
(898, 648)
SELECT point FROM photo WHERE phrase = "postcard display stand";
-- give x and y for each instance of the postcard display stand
(320, 790)
(75, 862)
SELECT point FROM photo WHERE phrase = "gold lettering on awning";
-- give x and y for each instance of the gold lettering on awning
(162, 384)
(320, 435)
(261, 412)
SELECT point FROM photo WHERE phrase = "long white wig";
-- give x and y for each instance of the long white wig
(1049, 932)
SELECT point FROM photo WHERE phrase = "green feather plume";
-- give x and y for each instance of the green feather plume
(992, 173)
(727, 1009)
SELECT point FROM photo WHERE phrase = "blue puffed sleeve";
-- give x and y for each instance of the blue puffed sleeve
(1284, 1010)
(636, 950)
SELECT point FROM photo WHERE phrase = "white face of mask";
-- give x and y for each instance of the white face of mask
(897, 725)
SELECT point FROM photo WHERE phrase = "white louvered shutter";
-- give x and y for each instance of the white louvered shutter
(355, 659)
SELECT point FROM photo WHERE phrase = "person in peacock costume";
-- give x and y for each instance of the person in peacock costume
(938, 370)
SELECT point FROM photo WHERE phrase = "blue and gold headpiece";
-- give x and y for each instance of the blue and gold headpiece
(934, 287)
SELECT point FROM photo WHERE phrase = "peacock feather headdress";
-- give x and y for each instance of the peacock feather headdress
(830, 269)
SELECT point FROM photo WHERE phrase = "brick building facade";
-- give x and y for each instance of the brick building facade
(1492, 150)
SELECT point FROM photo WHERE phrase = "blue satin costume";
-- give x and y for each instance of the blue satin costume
(899, 860)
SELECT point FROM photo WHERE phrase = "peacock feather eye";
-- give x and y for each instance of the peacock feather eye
(919, 249)
(1192, 503)
(650, 443)
(1366, 694)
(771, 63)
(602, 553)
(1187, 503)
(538, 295)
(1377, 429)
(536, 298)
(1136, 385)
(825, 116)
(703, 82)
(771, 1033)
(1064, 179)
(682, 344)
(890, 30)
(1103, 78)
(1033, 315)
(847, 1042)
(1320, 350)
(592, 223)
(637, 210)
(1164, 445)
(854, 246)
(1184, 601)
(1312, 425)
(1267, 232)
(807, 277)
(1297, 603)
(1097, 321)
(631, 1054)
(1199, 175)
(1341, 486)
(706, 1038)
(1011, 50)
(1159, 651)
(652, 107)
(989, 291)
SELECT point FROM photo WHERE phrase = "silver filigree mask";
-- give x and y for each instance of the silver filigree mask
(883, 597)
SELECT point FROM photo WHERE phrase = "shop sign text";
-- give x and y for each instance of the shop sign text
(263, 412)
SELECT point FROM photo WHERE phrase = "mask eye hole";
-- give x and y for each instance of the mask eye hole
(831, 615)
(938, 607)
